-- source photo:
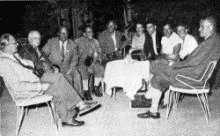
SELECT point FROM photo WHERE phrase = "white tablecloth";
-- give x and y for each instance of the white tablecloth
(128, 75)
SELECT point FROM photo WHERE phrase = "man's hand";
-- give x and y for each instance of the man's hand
(69, 71)
(45, 86)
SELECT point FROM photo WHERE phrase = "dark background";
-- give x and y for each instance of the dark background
(20, 17)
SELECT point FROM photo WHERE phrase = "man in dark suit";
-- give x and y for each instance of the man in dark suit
(152, 44)
(193, 66)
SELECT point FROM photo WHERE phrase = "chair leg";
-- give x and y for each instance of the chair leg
(20, 117)
(113, 93)
(201, 101)
(26, 111)
(58, 120)
(103, 86)
(177, 96)
(170, 103)
(51, 112)
(207, 104)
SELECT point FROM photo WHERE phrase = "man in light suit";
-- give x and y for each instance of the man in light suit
(22, 83)
(62, 51)
(193, 66)
(110, 40)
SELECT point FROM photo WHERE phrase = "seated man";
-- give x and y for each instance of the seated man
(189, 42)
(110, 42)
(194, 66)
(62, 52)
(152, 46)
(18, 75)
(170, 43)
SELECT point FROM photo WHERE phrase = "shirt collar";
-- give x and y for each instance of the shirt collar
(7, 55)
(153, 34)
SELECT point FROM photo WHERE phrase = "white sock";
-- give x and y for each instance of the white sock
(156, 95)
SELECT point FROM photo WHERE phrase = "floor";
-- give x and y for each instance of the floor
(116, 118)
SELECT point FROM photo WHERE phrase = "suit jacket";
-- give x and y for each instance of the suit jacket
(148, 46)
(20, 82)
(29, 53)
(107, 43)
(53, 52)
(194, 65)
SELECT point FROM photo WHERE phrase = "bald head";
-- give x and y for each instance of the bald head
(207, 27)
(34, 38)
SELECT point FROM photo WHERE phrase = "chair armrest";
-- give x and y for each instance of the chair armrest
(32, 96)
(185, 77)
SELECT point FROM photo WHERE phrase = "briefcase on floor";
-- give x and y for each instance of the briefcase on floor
(140, 101)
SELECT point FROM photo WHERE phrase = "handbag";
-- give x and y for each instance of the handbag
(88, 61)
(140, 101)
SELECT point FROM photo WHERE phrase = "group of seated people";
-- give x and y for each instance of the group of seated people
(63, 67)
(171, 54)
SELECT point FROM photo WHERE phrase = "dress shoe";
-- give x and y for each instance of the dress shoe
(148, 114)
(90, 102)
(76, 112)
(87, 96)
(89, 109)
(97, 91)
(74, 123)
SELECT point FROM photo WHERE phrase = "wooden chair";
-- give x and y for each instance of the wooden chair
(201, 91)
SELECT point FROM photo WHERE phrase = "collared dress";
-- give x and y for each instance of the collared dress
(89, 48)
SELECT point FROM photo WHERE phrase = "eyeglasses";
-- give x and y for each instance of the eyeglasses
(15, 43)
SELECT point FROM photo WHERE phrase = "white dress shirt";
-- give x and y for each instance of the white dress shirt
(188, 46)
(64, 44)
(114, 40)
(138, 41)
(153, 36)
(168, 43)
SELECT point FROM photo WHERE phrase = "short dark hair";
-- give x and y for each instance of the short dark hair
(111, 21)
(169, 22)
(62, 27)
(139, 22)
(151, 21)
(85, 27)
(183, 24)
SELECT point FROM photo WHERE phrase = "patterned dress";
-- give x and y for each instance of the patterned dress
(89, 53)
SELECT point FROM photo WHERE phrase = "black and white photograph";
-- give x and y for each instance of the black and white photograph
(109, 68)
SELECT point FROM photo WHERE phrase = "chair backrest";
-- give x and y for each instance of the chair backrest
(209, 70)
(11, 92)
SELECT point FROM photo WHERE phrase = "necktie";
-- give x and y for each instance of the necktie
(62, 51)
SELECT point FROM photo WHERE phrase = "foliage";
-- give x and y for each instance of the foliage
(41, 16)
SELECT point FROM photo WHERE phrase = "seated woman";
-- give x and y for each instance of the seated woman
(138, 42)
(18, 74)
(90, 62)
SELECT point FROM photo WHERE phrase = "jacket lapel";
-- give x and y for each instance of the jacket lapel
(117, 37)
